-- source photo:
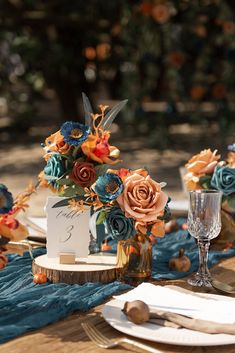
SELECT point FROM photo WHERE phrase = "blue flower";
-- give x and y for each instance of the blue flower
(223, 179)
(118, 225)
(108, 187)
(6, 200)
(54, 169)
(74, 133)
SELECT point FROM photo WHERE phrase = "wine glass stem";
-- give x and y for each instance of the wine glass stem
(203, 246)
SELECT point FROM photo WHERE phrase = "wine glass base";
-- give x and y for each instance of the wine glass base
(200, 282)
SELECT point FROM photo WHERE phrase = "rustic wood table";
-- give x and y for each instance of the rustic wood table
(67, 335)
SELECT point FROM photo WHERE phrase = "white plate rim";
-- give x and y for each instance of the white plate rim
(113, 315)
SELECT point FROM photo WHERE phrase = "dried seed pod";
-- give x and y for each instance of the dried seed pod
(136, 311)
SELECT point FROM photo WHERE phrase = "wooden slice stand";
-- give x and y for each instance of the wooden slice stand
(102, 271)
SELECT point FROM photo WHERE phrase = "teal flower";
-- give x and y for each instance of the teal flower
(223, 179)
(6, 200)
(54, 169)
(74, 133)
(108, 187)
(118, 226)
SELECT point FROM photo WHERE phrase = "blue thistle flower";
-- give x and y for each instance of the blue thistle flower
(74, 133)
(108, 187)
(6, 200)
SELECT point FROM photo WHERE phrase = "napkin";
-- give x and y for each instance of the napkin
(171, 300)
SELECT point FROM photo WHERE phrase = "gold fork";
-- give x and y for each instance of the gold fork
(98, 338)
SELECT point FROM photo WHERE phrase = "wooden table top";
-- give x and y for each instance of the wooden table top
(67, 335)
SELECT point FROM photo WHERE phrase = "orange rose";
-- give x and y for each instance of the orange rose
(56, 143)
(199, 165)
(142, 198)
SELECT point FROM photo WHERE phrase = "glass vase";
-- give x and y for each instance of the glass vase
(134, 257)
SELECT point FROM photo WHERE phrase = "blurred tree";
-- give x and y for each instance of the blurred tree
(147, 50)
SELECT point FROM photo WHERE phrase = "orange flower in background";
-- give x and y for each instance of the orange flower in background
(219, 90)
(98, 149)
(197, 92)
(200, 30)
(176, 59)
(199, 165)
(103, 51)
(146, 8)
(229, 27)
(161, 13)
(90, 53)
(56, 143)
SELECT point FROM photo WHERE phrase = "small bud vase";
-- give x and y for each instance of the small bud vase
(134, 257)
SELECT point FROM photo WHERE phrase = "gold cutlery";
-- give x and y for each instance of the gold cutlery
(102, 341)
(222, 287)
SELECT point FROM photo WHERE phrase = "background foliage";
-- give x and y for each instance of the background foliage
(181, 53)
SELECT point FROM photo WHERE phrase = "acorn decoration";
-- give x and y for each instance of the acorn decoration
(136, 311)
(180, 263)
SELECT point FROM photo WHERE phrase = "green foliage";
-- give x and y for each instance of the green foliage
(205, 181)
(101, 169)
(73, 190)
(101, 217)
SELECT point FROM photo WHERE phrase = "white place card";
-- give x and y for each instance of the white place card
(67, 230)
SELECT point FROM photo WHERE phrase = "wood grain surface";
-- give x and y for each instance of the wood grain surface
(67, 335)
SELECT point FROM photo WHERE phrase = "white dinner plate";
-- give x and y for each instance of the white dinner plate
(112, 313)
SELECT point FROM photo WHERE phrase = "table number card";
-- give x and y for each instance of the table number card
(67, 230)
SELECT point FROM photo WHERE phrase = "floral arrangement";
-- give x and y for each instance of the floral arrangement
(78, 159)
(138, 204)
(207, 171)
(78, 154)
(10, 227)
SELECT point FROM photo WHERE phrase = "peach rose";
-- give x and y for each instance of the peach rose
(142, 198)
(199, 165)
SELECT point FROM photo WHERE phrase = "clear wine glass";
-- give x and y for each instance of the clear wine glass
(204, 224)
